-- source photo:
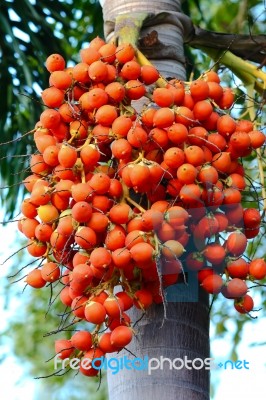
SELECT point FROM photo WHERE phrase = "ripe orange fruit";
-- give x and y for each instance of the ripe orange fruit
(60, 80)
(104, 343)
(199, 90)
(226, 125)
(50, 118)
(82, 273)
(130, 70)
(115, 91)
(100, 183)
(236, 243)
(67, 156)
(95, 98)
(257, 139)
(174, 157)
(149, 74)
(163, 97)
(215, 91)
(135, 89)
(125, 52)
(100, 257)
(257, 268)
(139, 175)
(163, 118)
(48, 213)
(34, 279)
(81, 211)
(108, 53)
(194, 155)
(142, 253)
(236, 288)
(53, 97)
(208, 175)
(98, 71)
(95, 312)
(185, 116)
(177, 133)
(50, 272)
(172, 249)
(244, 305)
(85, 237)
(212, 284)
(89, 155)
(55, 62)
(121, 336)
(214, 253)
(121, 125)
(137, 136)
(89, 54)
(252, 218)
(78, 306)
(106, 114)
(96, 43)
(43, 232)
(238, 268)
(86, 362)
(222, 162)
(82, 340)
(202, 110)
(63, 348)
(126, 299)
(143, 298)
(28, 226)
(113, 306)
(227, 99)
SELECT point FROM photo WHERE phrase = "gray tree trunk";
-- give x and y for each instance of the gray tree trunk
(182, 329)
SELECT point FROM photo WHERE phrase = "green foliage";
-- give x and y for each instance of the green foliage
(245, 17)
(29, 32)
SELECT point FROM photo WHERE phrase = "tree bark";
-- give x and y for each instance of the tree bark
(167, 52)
(182, 334)
(248, 47)
(179, 329)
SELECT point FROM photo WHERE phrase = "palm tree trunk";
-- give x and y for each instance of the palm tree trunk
(166, 53)
(181, 328)
(183, 334)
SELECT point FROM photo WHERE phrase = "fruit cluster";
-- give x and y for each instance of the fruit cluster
(117, 195)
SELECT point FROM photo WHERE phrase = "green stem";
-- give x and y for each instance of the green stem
(127, 30)
(142, 60)
(248, 73)
(127, 27)
(252, 114)
(129, 200)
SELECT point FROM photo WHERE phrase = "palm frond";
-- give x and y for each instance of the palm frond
(29, 32)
